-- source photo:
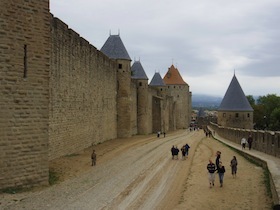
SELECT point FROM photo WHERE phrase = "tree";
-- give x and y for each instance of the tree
(266, 112)
(275, 120)
(251, 100)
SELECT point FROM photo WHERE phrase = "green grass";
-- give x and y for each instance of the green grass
(72, 155)
(53, 177)
(13, 190)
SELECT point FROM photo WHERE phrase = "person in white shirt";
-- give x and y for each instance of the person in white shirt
(243, 142)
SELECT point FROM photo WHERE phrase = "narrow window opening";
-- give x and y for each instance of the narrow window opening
(120, 66)
(25, 62)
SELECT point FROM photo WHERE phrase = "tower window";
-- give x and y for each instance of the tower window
(140, 83)
(236, 115)
(248, 115)
(120, 66)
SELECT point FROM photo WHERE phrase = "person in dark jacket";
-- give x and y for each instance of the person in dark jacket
(218, 157)
(233, 165)
(173, 151)
(183, 152)
(93, 158)
(187, 147)
(250, 141)
(221, 171)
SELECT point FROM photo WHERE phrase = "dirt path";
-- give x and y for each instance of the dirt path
(138, 173)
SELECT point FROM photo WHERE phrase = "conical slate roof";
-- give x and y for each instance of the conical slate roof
(235, 99)
(173, 77)
(137, 71)
(114, 48)
(157, 80)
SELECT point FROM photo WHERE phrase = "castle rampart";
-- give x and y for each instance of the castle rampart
(263, 141)
(24, 92)
(60, 95)
(83, 93)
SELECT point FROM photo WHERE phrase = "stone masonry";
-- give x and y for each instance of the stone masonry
(60, 95)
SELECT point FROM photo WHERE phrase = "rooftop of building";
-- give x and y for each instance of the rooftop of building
(157, 80)
(173, 77)
(114, 48)
(235, 99)
(138, 71)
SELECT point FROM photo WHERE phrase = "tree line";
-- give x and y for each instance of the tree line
(266, 112)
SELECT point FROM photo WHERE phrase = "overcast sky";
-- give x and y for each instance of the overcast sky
(205, 39)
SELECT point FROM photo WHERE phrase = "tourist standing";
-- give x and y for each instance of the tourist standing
(93, 158)
(233, 165)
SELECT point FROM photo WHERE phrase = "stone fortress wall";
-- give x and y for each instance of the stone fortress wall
(25, 46)
(82, 93)
(60, 95)
(264, 141)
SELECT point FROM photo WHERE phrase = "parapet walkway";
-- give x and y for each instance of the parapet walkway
(273, 165)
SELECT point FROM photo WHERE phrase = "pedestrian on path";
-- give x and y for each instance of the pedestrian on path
(174, 152)
(250, 141)
(243, 143)
(158, 134)
(187, 147)
(93, 158)
(211, 173)
(221, 171)
(218, 157)
(183, 152)
(233, 165)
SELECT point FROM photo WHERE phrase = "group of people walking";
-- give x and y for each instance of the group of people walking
(244, 141)
(184, 149)
(220, 169)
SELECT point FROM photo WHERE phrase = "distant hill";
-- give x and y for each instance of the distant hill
(208, 101)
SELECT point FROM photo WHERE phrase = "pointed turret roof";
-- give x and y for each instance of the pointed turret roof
(235, 99)
(137, 71)
(173, 77)
(114, 48)
(157, 80)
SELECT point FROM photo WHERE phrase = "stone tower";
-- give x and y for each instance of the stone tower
(115, 49)
(139, 75)
(179, 89)
(235, 110)
(158, 85)
(24, 92)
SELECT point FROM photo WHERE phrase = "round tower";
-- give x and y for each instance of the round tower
(115, 49)
(141, 79)
(179, 90)
(235, 110)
